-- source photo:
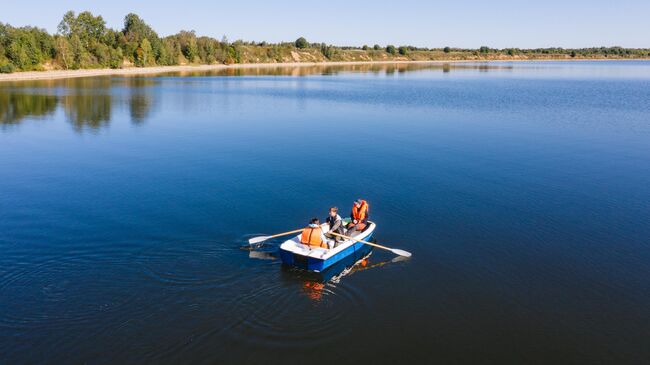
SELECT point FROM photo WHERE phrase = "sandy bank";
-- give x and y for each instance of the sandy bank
(63, 74)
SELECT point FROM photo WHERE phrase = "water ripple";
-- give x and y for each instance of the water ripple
(293, 310)
(58, 289)
(198, 264)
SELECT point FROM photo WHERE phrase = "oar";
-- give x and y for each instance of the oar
(259, 239)
(396, 251)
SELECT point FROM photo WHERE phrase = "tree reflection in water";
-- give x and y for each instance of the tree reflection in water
(88, 102)
(14, 108)
(140, 98)
(87, 105)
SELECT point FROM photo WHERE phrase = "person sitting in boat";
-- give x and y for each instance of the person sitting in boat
(335, 224)
(359, 216)
(313, 235)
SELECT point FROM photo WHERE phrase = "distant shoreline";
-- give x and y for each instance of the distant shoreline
(134, 71)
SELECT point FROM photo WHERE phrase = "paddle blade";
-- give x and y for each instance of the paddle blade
(259, 239)
(260, 255)
(397, 251)
(398, 258)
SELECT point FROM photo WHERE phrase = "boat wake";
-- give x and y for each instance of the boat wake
(349, 270)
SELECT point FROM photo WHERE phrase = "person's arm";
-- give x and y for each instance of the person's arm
(335, 226)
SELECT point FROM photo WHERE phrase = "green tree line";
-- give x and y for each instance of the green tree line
(84, 41)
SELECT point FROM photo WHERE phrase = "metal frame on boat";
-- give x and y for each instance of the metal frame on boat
(318, 259)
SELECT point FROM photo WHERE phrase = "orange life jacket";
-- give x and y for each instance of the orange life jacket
(361, 213)
(311, 236)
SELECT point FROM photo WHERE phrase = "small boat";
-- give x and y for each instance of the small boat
(318, 259)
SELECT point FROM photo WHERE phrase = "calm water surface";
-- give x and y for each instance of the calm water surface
(522, 189)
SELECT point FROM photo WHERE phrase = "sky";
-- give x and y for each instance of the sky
(459, 23)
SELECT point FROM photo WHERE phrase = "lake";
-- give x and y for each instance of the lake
(522, 190)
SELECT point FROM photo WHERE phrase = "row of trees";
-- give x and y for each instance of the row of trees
(83, 41)
(329, 50)
(24, 48)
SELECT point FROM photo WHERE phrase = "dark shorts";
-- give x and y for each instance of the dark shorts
(357, 227)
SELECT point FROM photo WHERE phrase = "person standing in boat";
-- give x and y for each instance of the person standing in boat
(313, 236)
(358, 216)
(335, 225)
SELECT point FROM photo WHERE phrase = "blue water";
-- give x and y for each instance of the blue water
(522, 190)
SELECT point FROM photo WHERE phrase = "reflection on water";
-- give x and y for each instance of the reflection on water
(140, 98)
(88, 103)
(376, 68)
(15, 107)
(91, 111)
(315, 286)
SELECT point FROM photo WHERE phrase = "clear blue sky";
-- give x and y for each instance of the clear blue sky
(463, 23)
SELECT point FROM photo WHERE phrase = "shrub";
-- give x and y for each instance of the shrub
(446, 50)
(327, 51)
(376, 47)
(7, 68)
(116, 58)
(301, 43)
(403, 50)
(391, 49)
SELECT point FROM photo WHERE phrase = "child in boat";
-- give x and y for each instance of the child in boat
(335, 225)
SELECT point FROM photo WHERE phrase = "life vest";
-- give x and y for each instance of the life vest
(311, 236)
(361, 213)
